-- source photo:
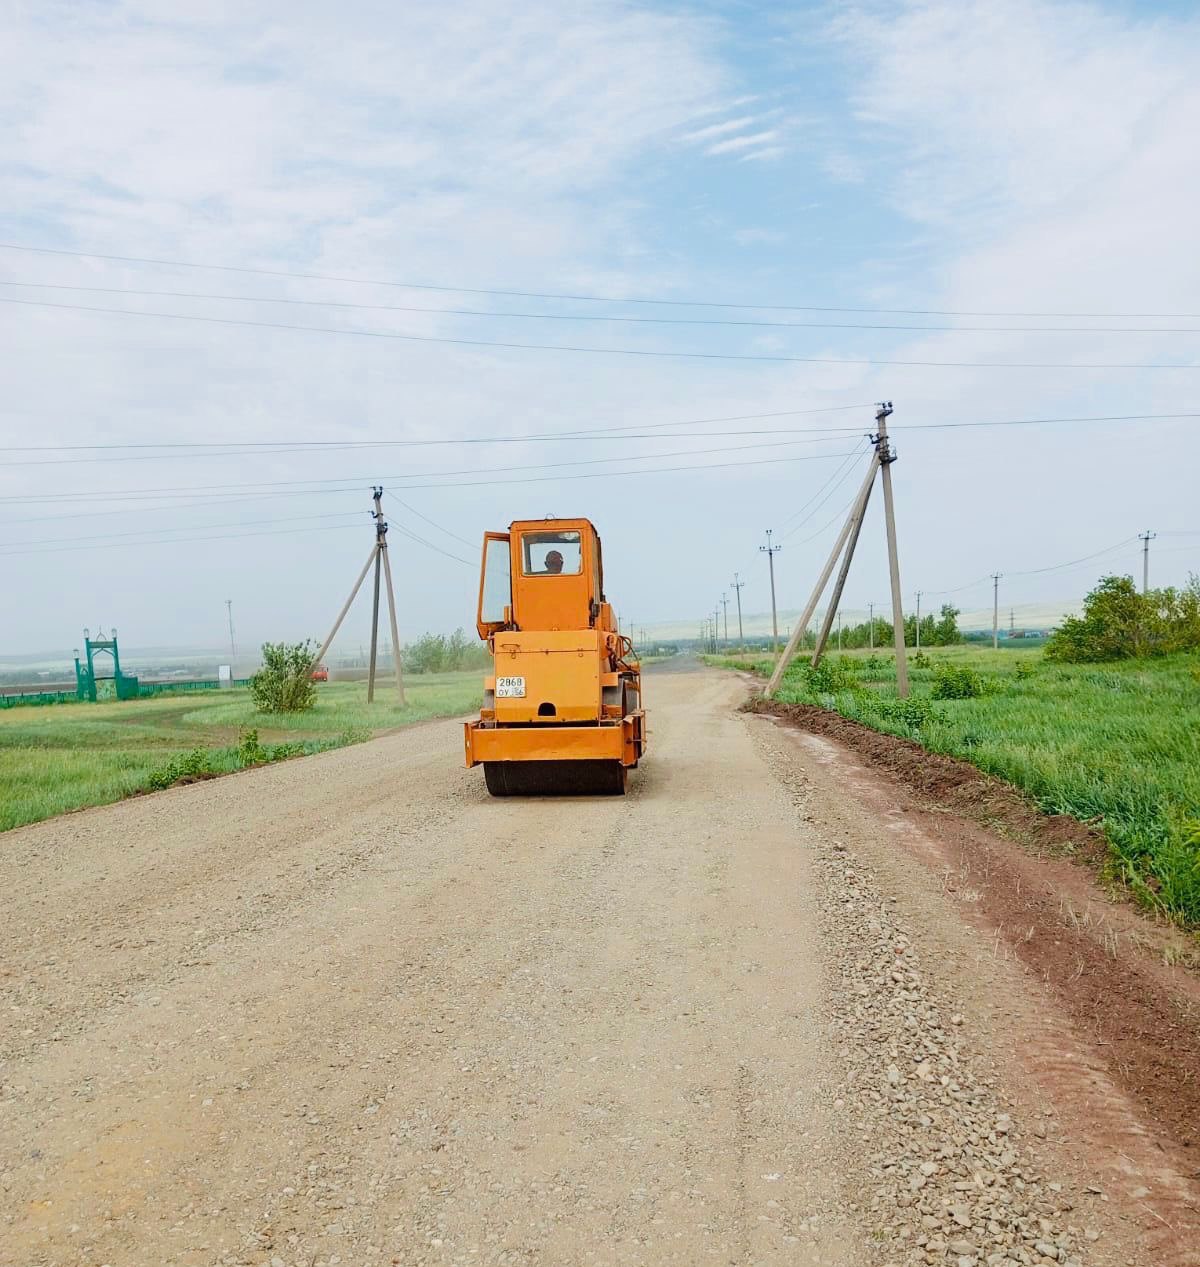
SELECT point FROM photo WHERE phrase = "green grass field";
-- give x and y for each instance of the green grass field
(68, 756)
(1118, 743)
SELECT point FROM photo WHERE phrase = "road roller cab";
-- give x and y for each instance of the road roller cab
(562, 708)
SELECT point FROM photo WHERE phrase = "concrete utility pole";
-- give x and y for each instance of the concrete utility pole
(886, 458)
(725, 604)
(918, 625)
(379, 558)
(771, 551)
(232, 645)
(996, 610)
(881, 459)
(716, 628)
(1145, 538)
(737, 589)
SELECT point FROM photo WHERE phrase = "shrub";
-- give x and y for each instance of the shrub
(912, 713)
(827, 677)
(957, 681)
(284, 684)
(249, 750)
(187, 765)
(920, 660)
(1024, 671)
(436, 653)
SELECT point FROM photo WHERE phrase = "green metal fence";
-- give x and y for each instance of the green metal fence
(145, 690)
(38, 697)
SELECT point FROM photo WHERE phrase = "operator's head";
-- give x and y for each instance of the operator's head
(554, 561)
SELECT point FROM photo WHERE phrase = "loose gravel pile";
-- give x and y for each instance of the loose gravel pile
(950, 1180)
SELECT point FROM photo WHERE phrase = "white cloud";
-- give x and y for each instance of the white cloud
(722, 129)
(764, 155)
(737, 143)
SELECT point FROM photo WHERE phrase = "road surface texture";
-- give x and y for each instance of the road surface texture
(350, 1010)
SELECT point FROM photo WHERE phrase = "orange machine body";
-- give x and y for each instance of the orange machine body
(565, 685)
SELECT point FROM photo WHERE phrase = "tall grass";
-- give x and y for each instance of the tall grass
(70, 756)
(1118, 745)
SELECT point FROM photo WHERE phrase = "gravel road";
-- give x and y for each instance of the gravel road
(350, 1010)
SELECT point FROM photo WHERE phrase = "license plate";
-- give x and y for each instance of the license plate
(510, 688)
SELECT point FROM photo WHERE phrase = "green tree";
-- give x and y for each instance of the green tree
(946, 632)
(284, 684)
(1120, 623)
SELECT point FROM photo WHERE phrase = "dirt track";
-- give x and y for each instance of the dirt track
(350, 1010)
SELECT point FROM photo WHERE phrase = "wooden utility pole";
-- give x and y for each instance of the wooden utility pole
(996, 610)
(737, 589)
(771, 551)
(1145, 538)
(383, 570)
(881, 461)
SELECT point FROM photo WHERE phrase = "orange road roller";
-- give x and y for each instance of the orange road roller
(562, 710)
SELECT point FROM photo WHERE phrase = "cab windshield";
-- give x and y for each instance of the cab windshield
(551, 553)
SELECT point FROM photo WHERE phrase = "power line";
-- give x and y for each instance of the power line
(508, 315)
(414, 511)
(630, 432)
(843, 472)
(1053, 567)
(578, 298)
(580, 348)
(235, 536)
(141, 532)
(488, 482)
(349, 483)
(147, 537)
(582, 433)
(421, 540)
(816, 436)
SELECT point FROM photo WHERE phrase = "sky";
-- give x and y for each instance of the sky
(257, 259)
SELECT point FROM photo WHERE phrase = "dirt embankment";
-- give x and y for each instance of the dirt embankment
(1126, 981)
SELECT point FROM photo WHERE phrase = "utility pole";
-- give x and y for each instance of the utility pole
(771, 551)
(1145, 538)
(881, 460)
(886, 457)
(919, 593)
(379, 559)
(839, 631)
(737, 589)
(716, 628)
(725, 604)
(871, 626)
(996, 610)
(232, 645)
